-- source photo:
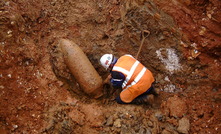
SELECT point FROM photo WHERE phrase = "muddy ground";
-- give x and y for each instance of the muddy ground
(38, 94)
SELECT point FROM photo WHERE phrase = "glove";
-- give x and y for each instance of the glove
(107, 80)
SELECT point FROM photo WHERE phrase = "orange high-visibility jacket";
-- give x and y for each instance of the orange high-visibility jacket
(137, 77)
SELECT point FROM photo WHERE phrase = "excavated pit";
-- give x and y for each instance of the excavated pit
(40, 94)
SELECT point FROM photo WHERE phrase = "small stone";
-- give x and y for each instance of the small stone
(173, 121)
(159, 115)
(7, 3)
(177, 107)
(157, 16)
(12, 22)
(167, 79)
(162, 82)
(202, 31)
(184, 44)
(161, 37)
(204, 44)
(9, 75)
(148, 131)
(209, 15)
(14, 127)
(110, 121)
(142, 131)
(9, 32)
(150, 124)
(165, 132)
(60, 83)
(195, 53)
(184, 125)
(117, 123)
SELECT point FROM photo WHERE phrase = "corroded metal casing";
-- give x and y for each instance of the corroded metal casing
(81, 68)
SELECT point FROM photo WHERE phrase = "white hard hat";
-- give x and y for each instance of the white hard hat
(106, 60)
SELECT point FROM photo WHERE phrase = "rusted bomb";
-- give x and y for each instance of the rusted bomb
(81, 68)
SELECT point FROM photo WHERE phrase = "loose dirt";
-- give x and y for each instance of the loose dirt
(38, 94)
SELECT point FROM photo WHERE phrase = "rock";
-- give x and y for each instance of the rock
(155, 130)
(110, 121)
(77, 116)
(93, 115)
(15, 126)
(162, 81)
(159, 115)
(177, 107)
(173, 121)
(155, 122)
(117, 123)
(184, 126)
(165, 109)
(148, 131)
(165, 132)
(169, 131)
(127, 131)
(141, 131)
(150, 124)
(144, 131)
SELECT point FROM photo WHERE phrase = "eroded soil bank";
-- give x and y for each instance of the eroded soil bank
(38, 94)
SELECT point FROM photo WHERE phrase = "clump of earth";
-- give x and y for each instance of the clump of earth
(38, 93)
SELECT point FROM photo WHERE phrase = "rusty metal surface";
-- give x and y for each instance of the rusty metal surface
(81, 68)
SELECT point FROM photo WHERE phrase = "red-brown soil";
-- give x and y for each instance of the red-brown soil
(38, 94)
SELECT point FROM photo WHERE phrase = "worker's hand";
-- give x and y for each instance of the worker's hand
(107, 80)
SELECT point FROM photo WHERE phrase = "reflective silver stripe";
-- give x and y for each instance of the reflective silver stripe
(128, 73)
(133, 68)
(120, 69)
(117, 79)
(137, 79)
(124, 84)
(139, 76)
(129, 55)
(126, 80)
(127, 87)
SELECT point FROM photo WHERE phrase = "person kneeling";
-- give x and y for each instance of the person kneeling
(130, 75)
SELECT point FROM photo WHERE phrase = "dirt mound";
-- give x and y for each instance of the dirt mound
(38, 94)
